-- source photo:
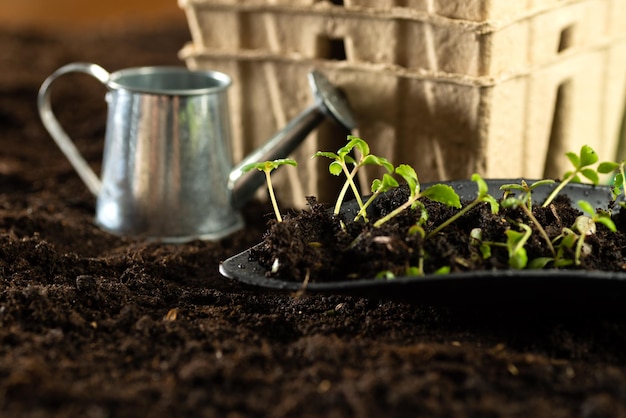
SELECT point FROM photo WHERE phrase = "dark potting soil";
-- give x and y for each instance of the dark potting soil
(315, 245)
(94, 325)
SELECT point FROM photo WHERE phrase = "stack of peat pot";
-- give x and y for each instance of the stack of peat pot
(452, 87)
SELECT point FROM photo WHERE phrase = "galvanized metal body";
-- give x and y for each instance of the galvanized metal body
(166, 158)
(167, 171)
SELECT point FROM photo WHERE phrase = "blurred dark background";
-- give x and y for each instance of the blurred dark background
(80, 14)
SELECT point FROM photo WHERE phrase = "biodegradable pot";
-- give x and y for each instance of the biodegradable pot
(563, 290)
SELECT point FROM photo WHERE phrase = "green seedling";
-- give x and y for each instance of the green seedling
(515, 245)
(340, 162)
(585, 226)
(378, 186)
(483, 196)
(581, 163)
(515, 242)
(419, 271)
(521, 201)
(418, 229)
(566, 240)
(574, 238)
(525, 189)
(596, 217)
(484, 247)
(267, 167)
(619, 179)
(438, 192)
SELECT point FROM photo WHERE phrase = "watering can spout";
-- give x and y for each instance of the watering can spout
(329, 103)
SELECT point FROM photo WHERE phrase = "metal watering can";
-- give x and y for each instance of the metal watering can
(167, 171)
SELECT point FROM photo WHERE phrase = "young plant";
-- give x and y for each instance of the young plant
(524, 202)
(597, 217)
(514, 202)
(574, 238)
(525, 189)
(438, 192)
(378, 186)
(585, 226)
(340, 163)
(515, 245)
(619, 179)
(476, 241)
(418, 229)
(483, 196)
(566, 240)
(581, 163)
(267, 167)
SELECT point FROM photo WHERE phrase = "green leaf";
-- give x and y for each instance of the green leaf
(608, 222)
(587, 156)
(252, 166)
(591, 174)
(379, 161)
(358, 143)
(543, 182)
(510, 202)
(512, 186)
(346, 149)
(485, 250)
(330, 155)
(493, 204)
(417, 229)
(363, 147)
(443, 193)
(269, 165)
(410, 176)
(517, 253)
(442, 270)
(574, 159)
(413, 271)
(586, 207)
(387, 183)
(377, 184)
(483, 189)
(514, 237)
(335, 168)
(569, 240)
(349, 160)
(519, 259)
(564, 262)
(385, 275)
(540, 262)
(418, 204)
(607, 167)
(283, 161)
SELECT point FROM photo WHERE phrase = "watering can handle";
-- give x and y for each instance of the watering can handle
(50, 122)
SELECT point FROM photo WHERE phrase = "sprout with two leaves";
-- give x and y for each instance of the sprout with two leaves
(341, 162)
(267, 167)
(581, 162)
(441, 193)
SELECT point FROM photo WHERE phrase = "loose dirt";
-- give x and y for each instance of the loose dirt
(94, 325)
